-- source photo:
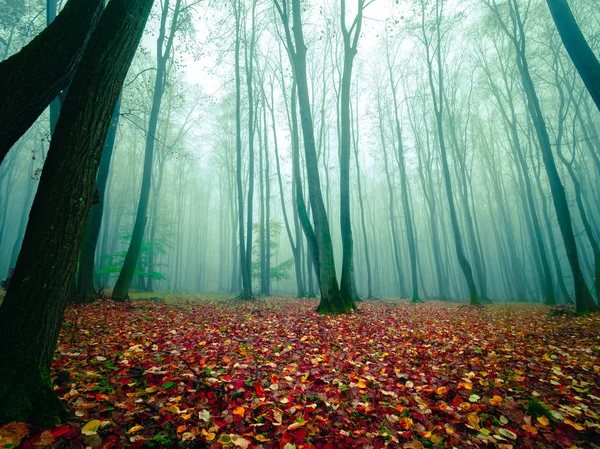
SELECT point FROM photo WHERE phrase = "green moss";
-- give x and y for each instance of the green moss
(538, 408)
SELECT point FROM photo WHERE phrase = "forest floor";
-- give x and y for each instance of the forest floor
(208, 373)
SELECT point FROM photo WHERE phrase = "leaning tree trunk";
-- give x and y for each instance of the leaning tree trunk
(32, 313)
(32, 78)
(581, 54)
(583, 298)
(121, 290)
(85, 279)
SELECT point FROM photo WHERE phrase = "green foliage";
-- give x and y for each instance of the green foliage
(112, 263)
(276, 273)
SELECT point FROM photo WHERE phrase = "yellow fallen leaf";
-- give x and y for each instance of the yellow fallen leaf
(473, 420)
(224, 439)
(172, 409)
(465, 385)
(135, 429)
(543, 420)
(239, 441)
(361, 384)
(91, 427)
(240, 411)
(208, 436)
(441, 390)
(260, 437)
(13, 433)
(151, 390)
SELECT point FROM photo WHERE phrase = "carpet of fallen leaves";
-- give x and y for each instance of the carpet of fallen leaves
(274, 374)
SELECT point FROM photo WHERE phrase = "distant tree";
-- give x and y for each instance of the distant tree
(32, 313)
(164, 49)
(432, 39)
(331, 299)
(85, 275)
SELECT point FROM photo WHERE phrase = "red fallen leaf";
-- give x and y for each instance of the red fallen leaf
(260, 391)
(58, 432)
(285, 439)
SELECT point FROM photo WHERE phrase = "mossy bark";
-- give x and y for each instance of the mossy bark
(35, 76)
(32, 313)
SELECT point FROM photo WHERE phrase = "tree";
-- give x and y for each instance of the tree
(34, 77)
(32, 312)
(581, 54)
(433, 43)
(164, 47)
(514, 29)
(85, 276)
(350, 36)
(331, 299)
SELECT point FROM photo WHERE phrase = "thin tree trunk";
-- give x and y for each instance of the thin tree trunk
(121, 289)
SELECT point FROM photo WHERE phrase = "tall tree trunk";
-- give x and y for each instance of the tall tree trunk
(438, 106)
(331, 299)
(32, 312)
(32, 78)
(350, 37)
(85, 280)
(583, 298)
(581, 54)
(121, 289)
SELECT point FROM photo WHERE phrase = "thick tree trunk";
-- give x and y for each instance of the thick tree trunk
(581, 54)
(32, 78)
(32, 312)
(85, 279)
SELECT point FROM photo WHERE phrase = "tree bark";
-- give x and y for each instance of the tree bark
(121, 289)
(583, 298)
(32, 312)
(581, 54)
(85, 279)
(32, 78)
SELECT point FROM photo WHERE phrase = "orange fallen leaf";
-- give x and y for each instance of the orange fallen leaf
(296, 425)
(528, 428)
(495, 400)
(240, 411)
(441, 390)
(574, 425)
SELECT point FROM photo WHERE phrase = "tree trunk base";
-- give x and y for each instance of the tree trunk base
(27, 395)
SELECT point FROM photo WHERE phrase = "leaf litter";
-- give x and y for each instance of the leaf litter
(275, 374)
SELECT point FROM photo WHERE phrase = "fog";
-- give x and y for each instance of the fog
(437, 87)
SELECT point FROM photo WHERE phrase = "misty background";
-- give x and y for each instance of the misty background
(501, 191)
